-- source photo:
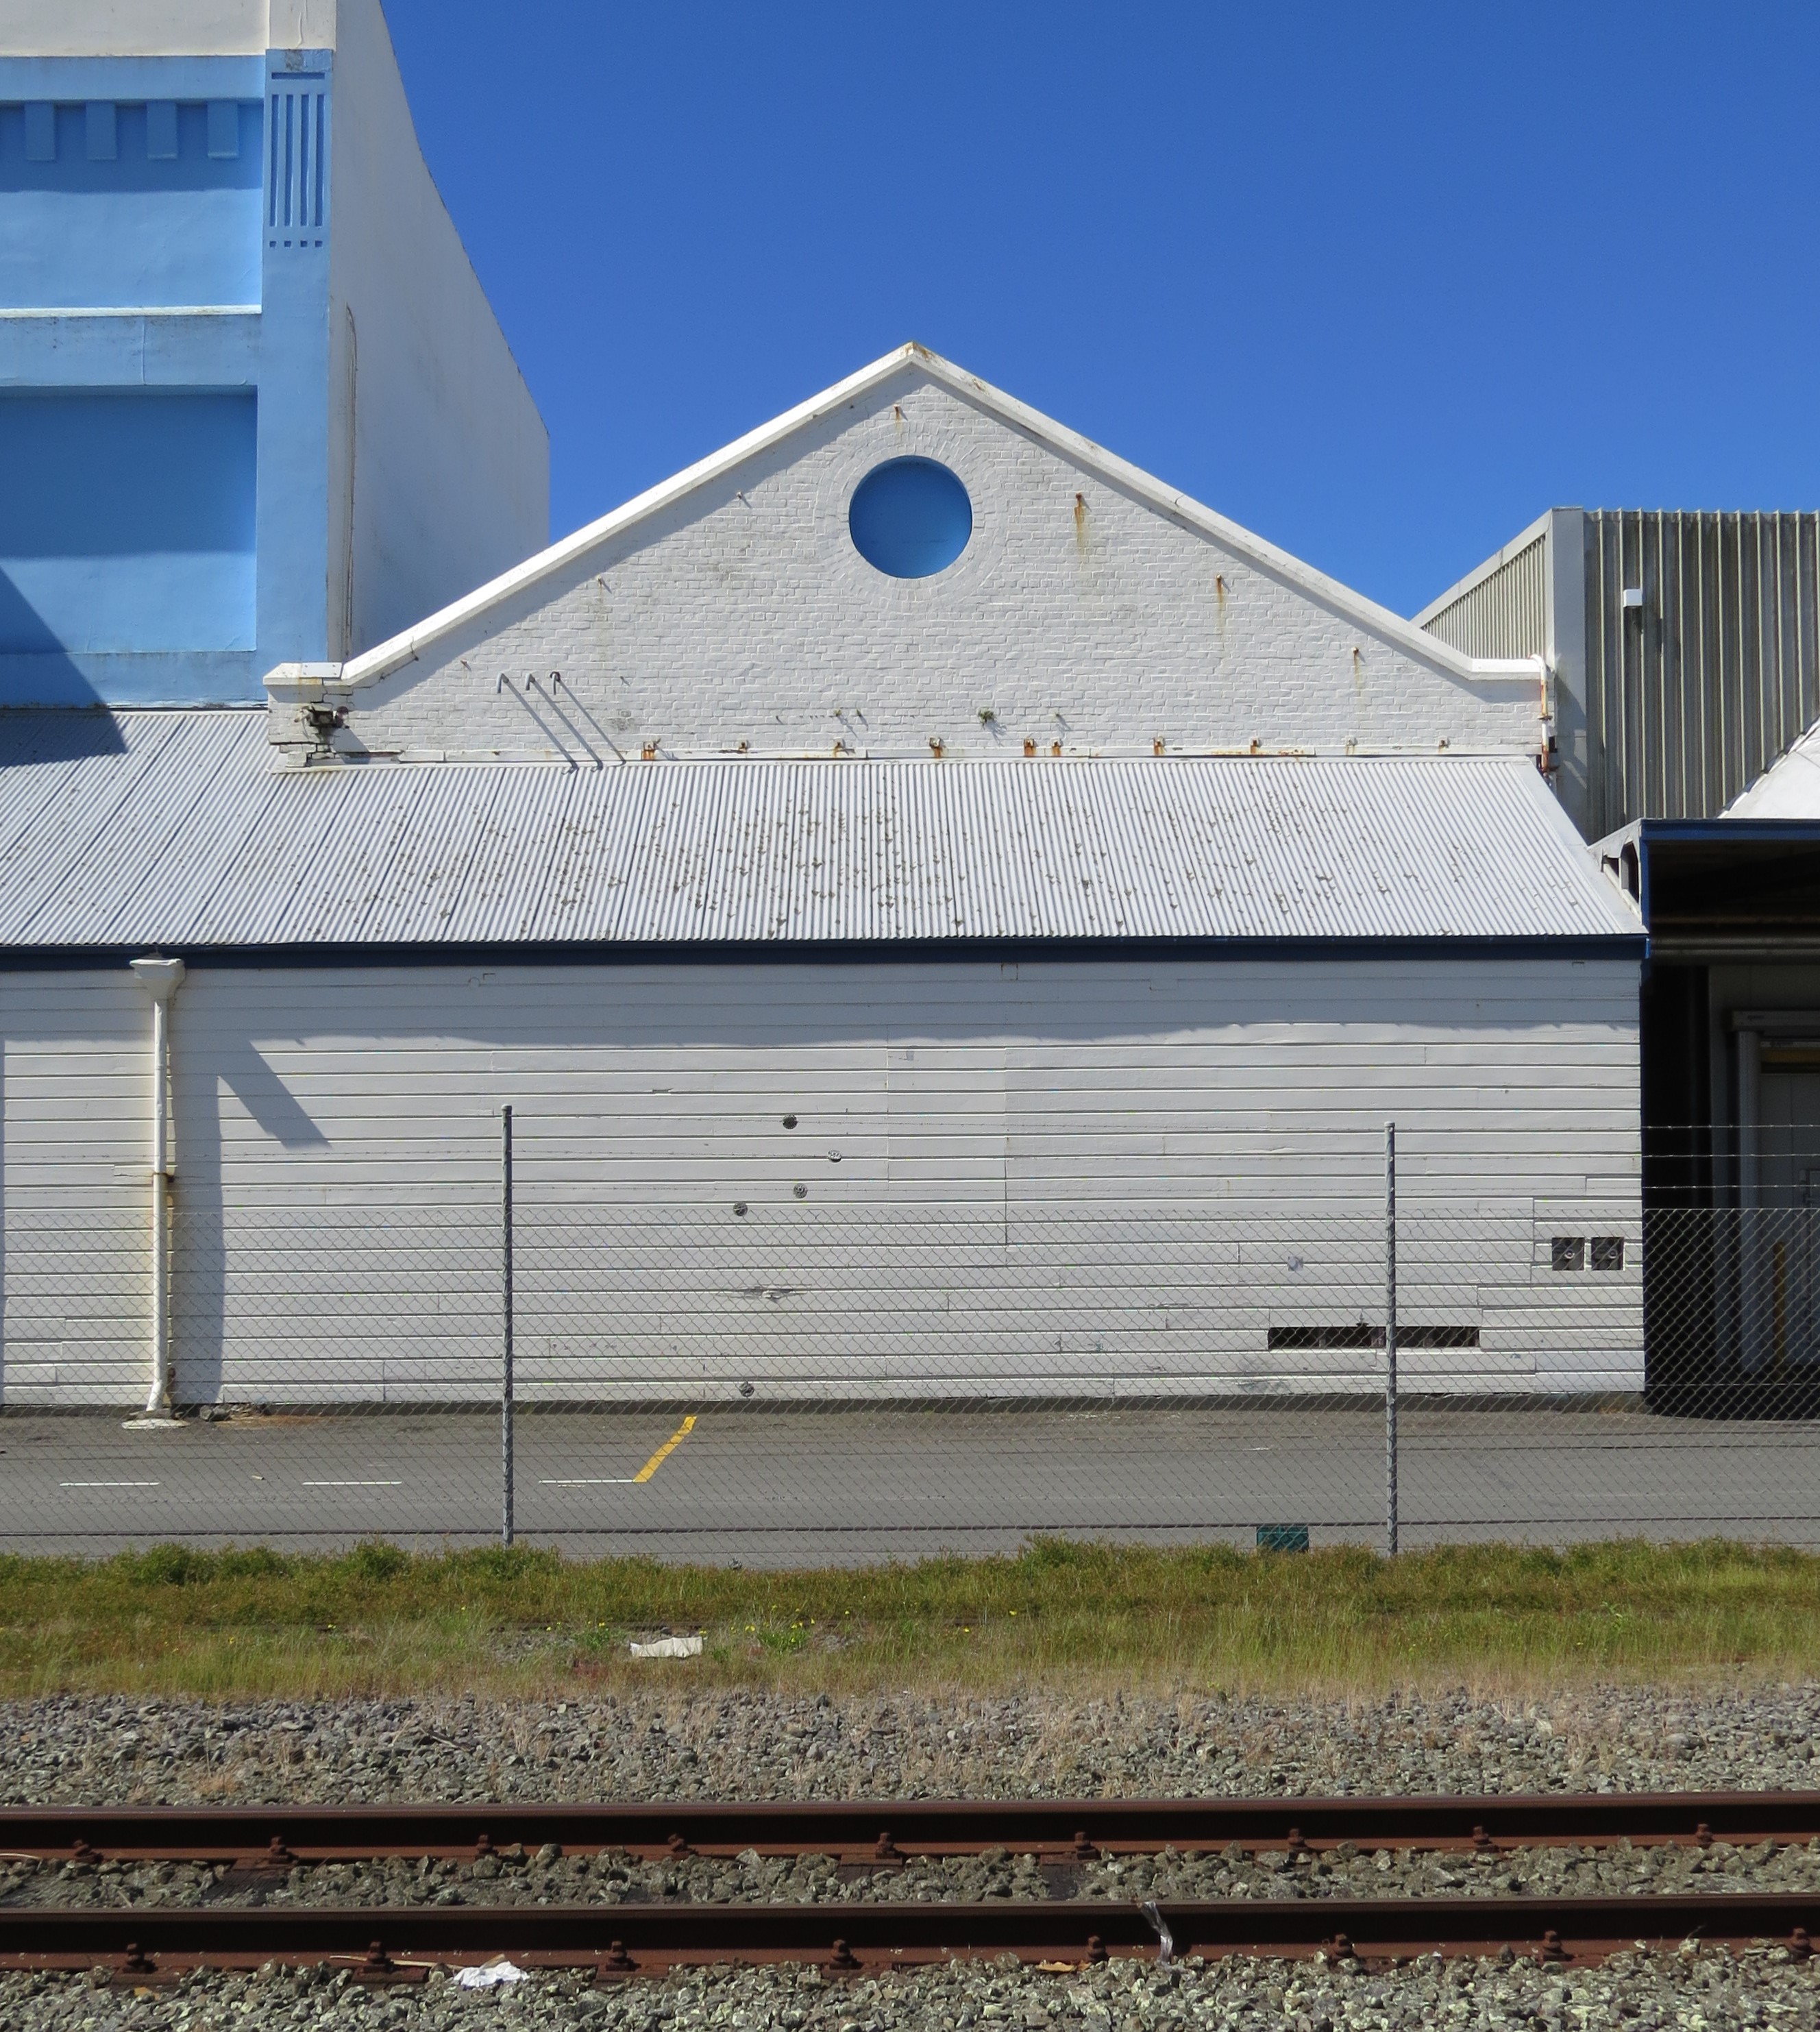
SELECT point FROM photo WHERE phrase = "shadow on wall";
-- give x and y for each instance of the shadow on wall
(34, 669)
(134, 538)
(200, 1293)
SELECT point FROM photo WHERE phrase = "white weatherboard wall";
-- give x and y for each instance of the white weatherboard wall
(1084, 610)
(1052, 1177)
(75, 1173)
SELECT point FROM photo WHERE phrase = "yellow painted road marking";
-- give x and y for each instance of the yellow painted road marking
(669, 1447)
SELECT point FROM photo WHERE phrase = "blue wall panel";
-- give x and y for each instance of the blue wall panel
(137, 227)
(126, 522)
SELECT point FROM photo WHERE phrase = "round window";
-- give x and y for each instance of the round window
(910, 517)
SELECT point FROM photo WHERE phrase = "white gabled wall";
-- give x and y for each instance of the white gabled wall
(1052, 1177)
(1079, 612)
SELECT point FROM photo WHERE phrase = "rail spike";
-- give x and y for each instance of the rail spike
(140, 1970)
(379, 1971)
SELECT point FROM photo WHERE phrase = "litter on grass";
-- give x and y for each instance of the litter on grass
(669, 1647)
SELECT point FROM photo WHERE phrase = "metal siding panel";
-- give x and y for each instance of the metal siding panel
(1724, 675)
(1505, 615)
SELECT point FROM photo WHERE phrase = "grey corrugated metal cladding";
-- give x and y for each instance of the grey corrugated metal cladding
(1693, 694)
(1669, 702)
(1505, 615)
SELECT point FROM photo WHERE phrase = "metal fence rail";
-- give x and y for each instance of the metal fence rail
(1380, 1337)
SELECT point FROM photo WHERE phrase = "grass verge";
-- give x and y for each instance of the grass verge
(525, 1623)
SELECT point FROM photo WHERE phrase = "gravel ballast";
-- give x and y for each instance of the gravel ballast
(1696, 1988)
(667, 1743)
(546, 1877)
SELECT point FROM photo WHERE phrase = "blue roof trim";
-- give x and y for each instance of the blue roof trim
(1707, 832)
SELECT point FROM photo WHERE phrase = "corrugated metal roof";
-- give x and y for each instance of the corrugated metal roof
(171, 828)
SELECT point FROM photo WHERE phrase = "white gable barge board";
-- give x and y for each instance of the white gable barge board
(1093, 606)
(173, 831)
(1054, 1178)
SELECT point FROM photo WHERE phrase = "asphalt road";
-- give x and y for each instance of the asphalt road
(838, 1487)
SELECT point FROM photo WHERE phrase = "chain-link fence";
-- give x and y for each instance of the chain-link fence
(855, 1352)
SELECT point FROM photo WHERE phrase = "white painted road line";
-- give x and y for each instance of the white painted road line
(110, 1484)
(588, 1480)
(354, 1485)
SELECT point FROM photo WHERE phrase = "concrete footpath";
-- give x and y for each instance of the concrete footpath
(841, 1487)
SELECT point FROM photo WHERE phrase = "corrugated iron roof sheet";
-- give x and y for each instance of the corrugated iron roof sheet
(171, 828)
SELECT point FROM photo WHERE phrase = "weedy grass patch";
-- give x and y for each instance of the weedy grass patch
(524, 1621)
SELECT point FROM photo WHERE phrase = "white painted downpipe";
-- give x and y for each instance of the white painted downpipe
(161, 979)
(1751, 1254)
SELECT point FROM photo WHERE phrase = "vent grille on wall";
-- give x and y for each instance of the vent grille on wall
(1360, 1337)
(297, 174)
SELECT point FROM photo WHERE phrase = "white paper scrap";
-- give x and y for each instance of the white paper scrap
(490, 1977)
(669, 1647)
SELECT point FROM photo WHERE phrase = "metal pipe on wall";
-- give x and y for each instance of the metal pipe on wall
(1752, 1350)
(161, 978)
(1390, 1504)
(507, 1490)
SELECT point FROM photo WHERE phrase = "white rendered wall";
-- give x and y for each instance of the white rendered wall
(450, 482)
(163, 27)
(1077, 613)
(1053, 1178)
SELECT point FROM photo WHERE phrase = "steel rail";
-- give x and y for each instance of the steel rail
(401, 1944)
(884, 1831)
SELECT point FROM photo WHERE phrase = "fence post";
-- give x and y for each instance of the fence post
(506, 1364)
(1390, 1338)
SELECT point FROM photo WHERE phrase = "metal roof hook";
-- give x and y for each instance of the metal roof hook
(1159, 1925)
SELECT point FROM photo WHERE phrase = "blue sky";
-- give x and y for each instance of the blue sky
(1381, 282)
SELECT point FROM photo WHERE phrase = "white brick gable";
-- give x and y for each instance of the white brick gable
(728, 611)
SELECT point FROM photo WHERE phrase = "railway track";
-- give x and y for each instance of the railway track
(881, 1833)
(384, 1944)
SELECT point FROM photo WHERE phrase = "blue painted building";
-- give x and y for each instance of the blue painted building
(254, 407)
